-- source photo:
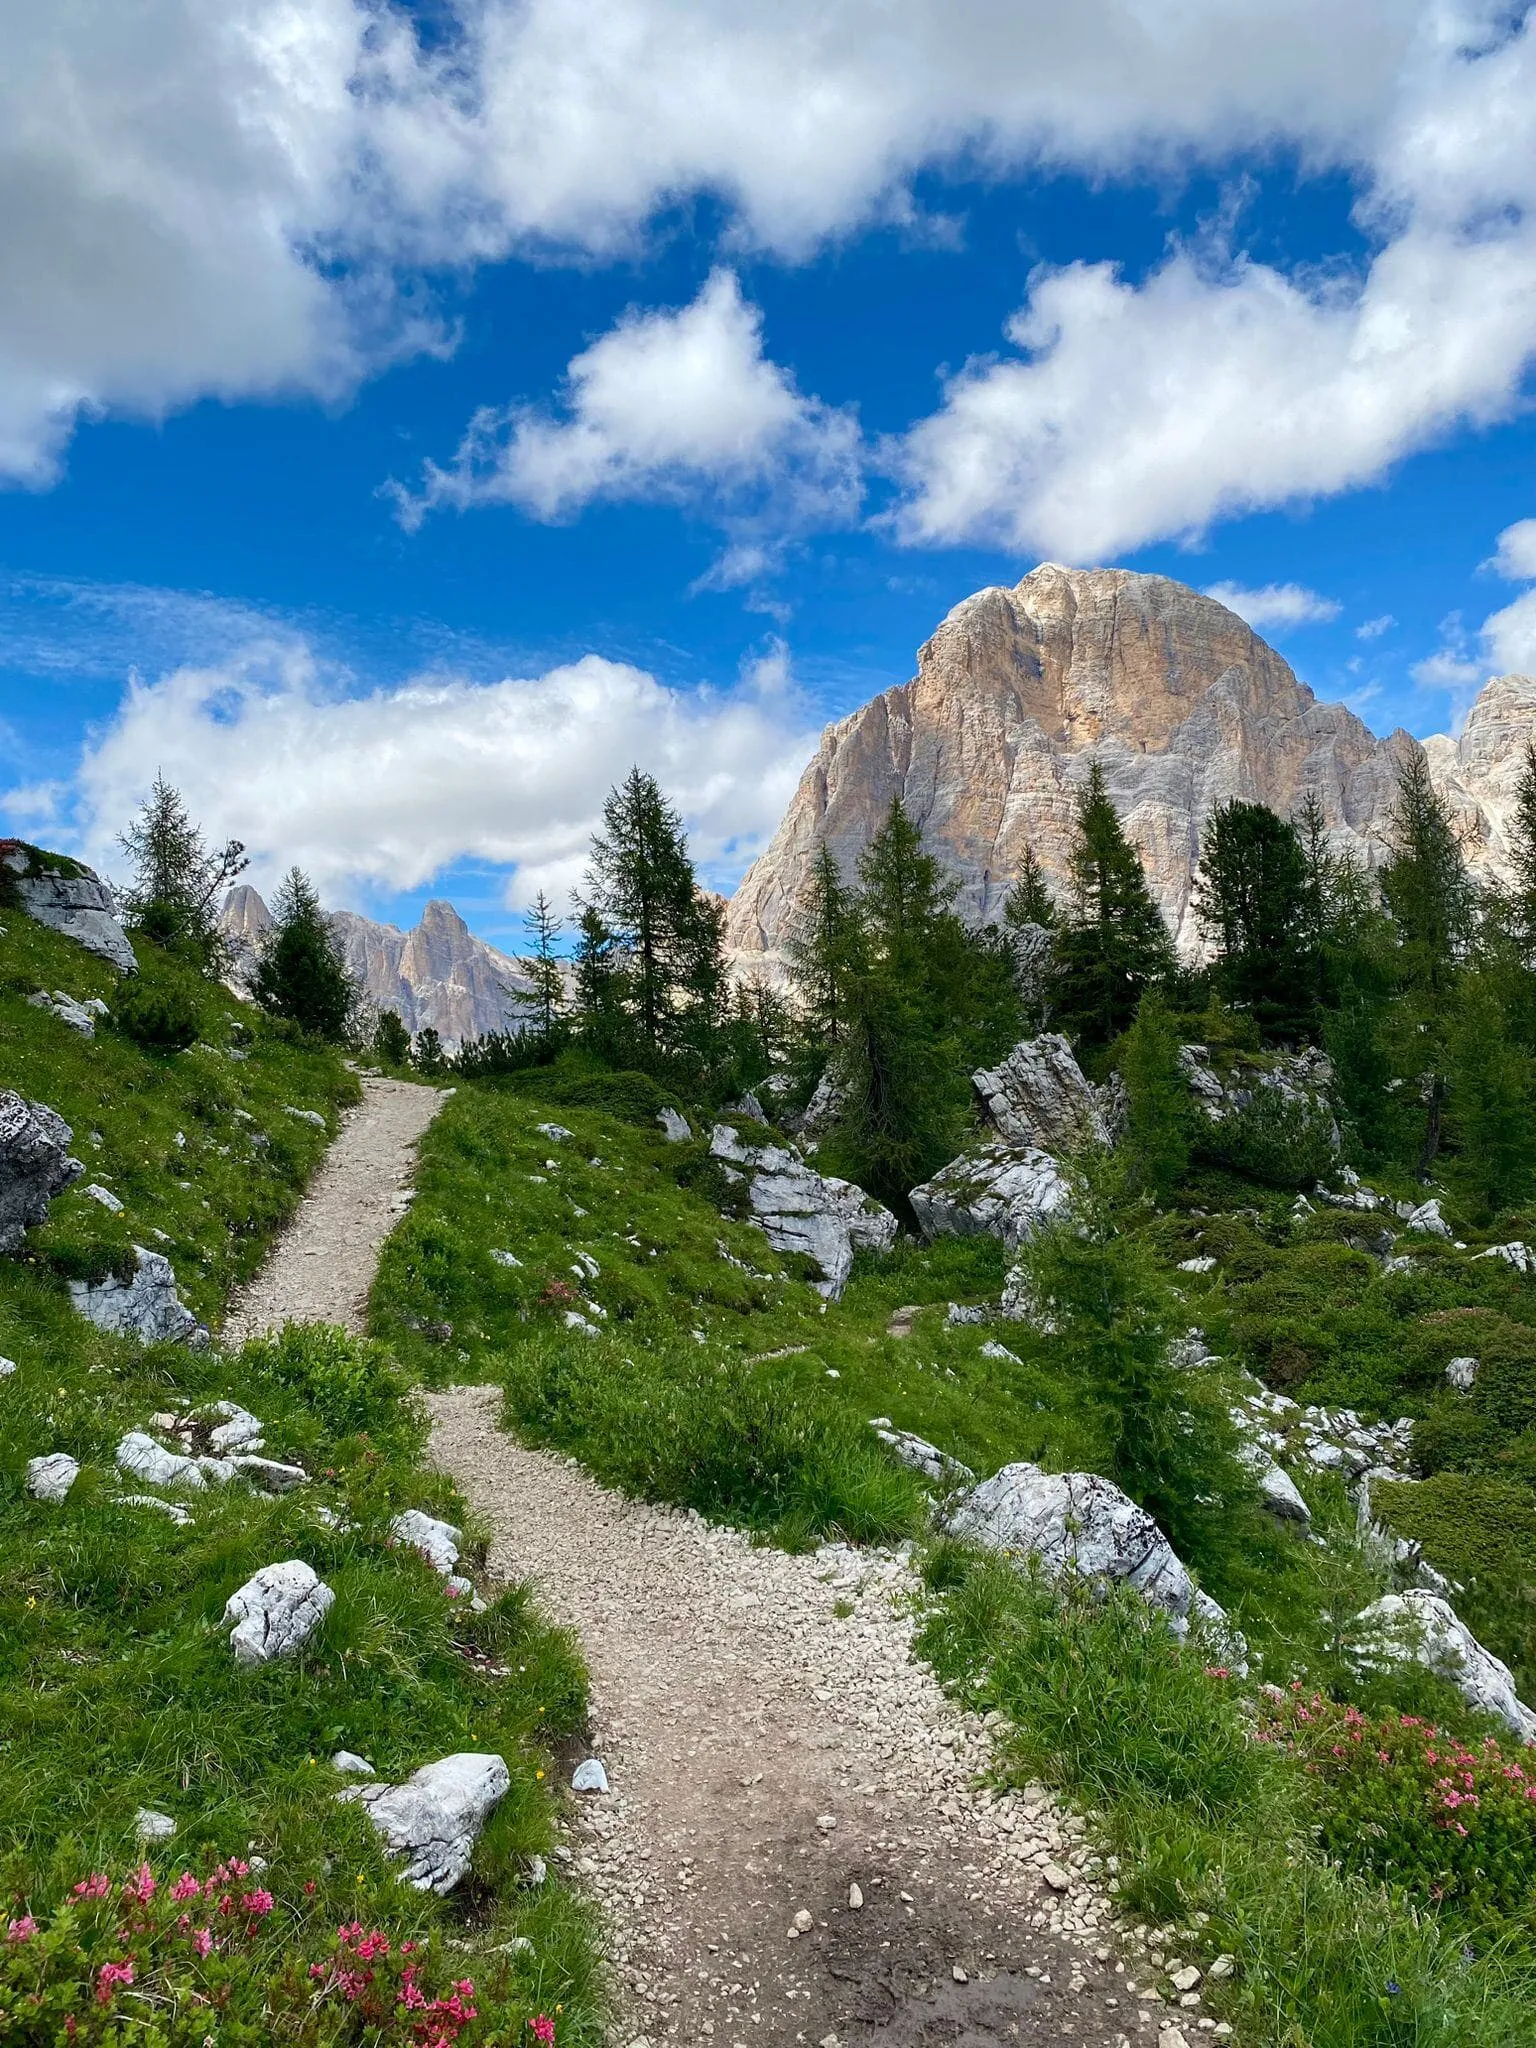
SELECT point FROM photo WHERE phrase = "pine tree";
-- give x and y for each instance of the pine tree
(641, 881)
(178, 881)
(599, 1001)
(1029, 901)
(1491, 1100)
(1522, 859)
(302, 975)
(1157, 1133)
(903, 893)
(541, 965)
(391, 1040)
(427, 1056)
(824, 948)
(1253, 895)
(1425, 883)
(1114, 944)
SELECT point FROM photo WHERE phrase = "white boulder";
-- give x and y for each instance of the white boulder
(1279, 1490)
(1427, 1220)
(1462, 1374)
(79, 905)
(557, 1132)
(921, 1455)
(1420, 1625)
(169, 1508)
(51, 1477)
(1515, 1254)
(1039, 1099)
(1080, 1523)
(147, 1306)
(589, 1776)
(150, 1826)
(351, 1765)
(34, 1164)
(233, 1428)
(140, 1457)
(434, 1819)
(800, 1210)
(674, 1126)
(275, 1613)
(993, 1191)
(270, 1474)
(75, 1014)
(437, 1542)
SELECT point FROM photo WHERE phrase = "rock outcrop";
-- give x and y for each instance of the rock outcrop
(993, 1190)
(1478, 772)
(1176, 698)
(34, 1164)
(1420, 1625)
(275, 1613)
(1039, 1096)
(434, 1819)
(68, 898)
(801, 1210)
(147, 1306)
(438, 974)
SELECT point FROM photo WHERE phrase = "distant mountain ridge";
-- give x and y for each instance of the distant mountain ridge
(1179, 701)
(437, 975)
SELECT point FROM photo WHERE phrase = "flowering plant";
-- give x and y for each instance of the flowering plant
(1452, 1822)
(178, 1962)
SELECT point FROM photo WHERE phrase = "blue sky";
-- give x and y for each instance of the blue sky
(410, 417)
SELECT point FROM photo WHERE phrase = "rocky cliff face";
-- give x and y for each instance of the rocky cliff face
(1019, 690)
(439, 974)
(1477, 773)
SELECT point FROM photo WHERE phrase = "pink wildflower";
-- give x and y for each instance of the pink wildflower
(109, 1977)
(96, 1886)
(543, 2028)
(258, 1902)
(22, 1929)
(185, 1887)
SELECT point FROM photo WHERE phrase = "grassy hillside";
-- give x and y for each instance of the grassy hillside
(719, 1378)
(118, 1690)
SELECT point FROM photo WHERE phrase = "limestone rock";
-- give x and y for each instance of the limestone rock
(1462, 1374)
(823, 1109)
(351, 1765)
(141, 1458)
(105, 1196)
(275, 1613)
(79, 905)
(1421, 1625)
(147, 1307)
(1017, 693)
(1021, 1302)
(234, 1428)
(993, 1191)
(270, 1474)
(51, 1477)
(1280, 1493)
(437, 1542)
(1426, 1219)
(801, 1210)
(675, 1127)
(1515, 1254)
(1038, 1098)
(34, 1164)
(78, 1016)
(1478, 773)
(589, 1776)
(1301, 1080)
(434, 1819)
(150, 1826)
(170, 1509)
(1080, 1523)
(921, 1455)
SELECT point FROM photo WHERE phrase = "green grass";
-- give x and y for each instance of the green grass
(117, 1686)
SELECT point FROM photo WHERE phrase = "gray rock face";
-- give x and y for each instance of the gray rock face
(79, 1017)
(34, 1164)
(437, 1542)
(1302, 1080)
(1076, 1522)
(80, 906)
(434, 1819)
(51, 1477)
(1515, 1254)
(922, 1456)
(147, 1307)
(1462, 1374)
(1039, 1098)
(801, 1210)
(993, 1191)
(1422, 1626)
(275, 1613)
(674, 1126)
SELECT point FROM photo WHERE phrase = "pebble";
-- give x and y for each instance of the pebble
(855, 1897)
(150, 1826)
(589, 1777)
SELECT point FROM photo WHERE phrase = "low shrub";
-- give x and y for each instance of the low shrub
(1272, 1140)
(158, 1008)
(350, 1382)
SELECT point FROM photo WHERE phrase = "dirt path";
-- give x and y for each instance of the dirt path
(770, 1747)
(323, 1265)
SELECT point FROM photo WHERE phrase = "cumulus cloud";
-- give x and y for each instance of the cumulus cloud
(1509, 634)
(1275, 605)
(1217, 385)
(1372, 629)
(390, 786)
(1515, 555)
(665, 407)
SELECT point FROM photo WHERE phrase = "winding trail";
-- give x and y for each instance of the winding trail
(321, 1268)
(794, 1848)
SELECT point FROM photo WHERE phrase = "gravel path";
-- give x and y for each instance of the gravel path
(323, 1265)
(792, 1849)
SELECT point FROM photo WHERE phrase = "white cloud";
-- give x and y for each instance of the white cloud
(1275, 604)
(1515, 556)
(1218, 385)
(666, 407)
(1510, 637)
(1372, 629)
(391, 786)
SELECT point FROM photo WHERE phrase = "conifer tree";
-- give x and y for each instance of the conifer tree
(391, 1040)
(824, 948)
(1114, 944)
(178, 881)
(599, 1003)
(428, 1056)
(541, 965)
(1253, 898)
(1425, 883)
(1491, 1100)
(302, 974)
(1029, 901)
(1157, 1133)
(1522, 859)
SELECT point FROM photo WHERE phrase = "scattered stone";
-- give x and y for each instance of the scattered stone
(1222, 1967)
(147, 1307)
(921, 1455)
(802, 1922)
(169, 1508)
(79, 905)
(675, 1127)
(434, 1819)
(575, 1320)
(1185, 1979)
(34, 1164)
(965, 1315)
(7, 1367)
(103, 1195)
(1021, 1302)
(437, 1542)
(306, 1116)
(141, 1458)
(351, 1765)
(1189, 1352)
(50, 1478)
(855, 1898)
(1462, 1374)
(589, 1776)
(276, 1612)
(749, 1107)
(557, 1132)
(1421, 1626)
(1056, 1877)
(1038, 1098)
(506, 1259)
(993, 1190)
(1079, 1522)
(992, 1349)
(1200, 1265)
(800, 1210)
(150, 1826)
(1427, 1220)
(1515, 1254)
(1279, 1490)
(269, 1473)
(826, 1822)
(78, 1016)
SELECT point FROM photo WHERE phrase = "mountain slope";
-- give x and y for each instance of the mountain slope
(1176, 697)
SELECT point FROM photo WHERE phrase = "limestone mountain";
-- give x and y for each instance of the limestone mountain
(1176, 697)
(437, 974)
